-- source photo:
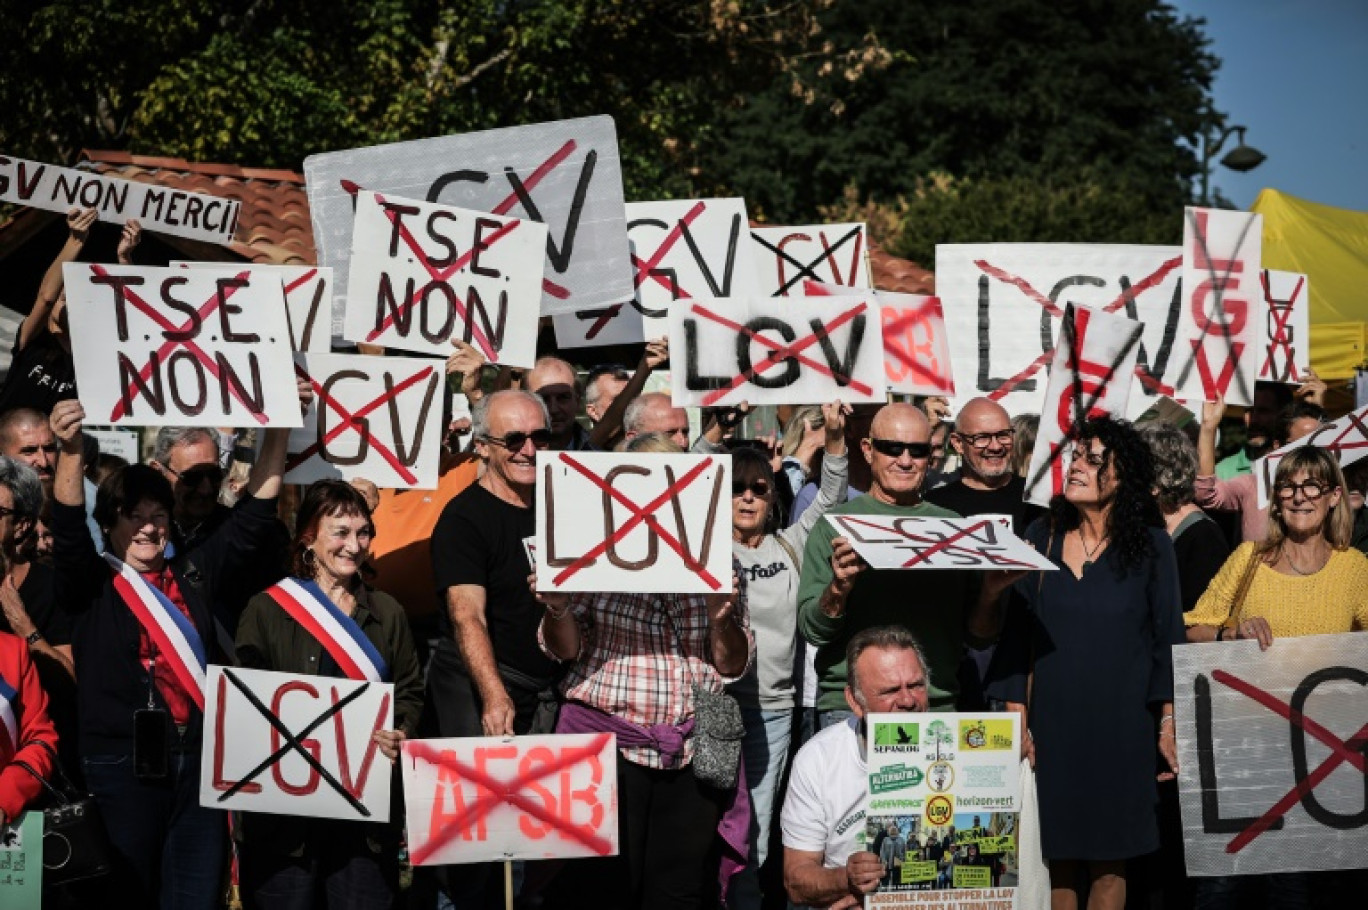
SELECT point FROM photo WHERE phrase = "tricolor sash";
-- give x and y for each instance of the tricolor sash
(337, 632)
(170, 630)
(9, 722)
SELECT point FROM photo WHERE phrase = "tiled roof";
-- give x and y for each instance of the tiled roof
(273, 227)
(901, 275)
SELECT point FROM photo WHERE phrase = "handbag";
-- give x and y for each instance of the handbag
(718, 728)
(75, 843)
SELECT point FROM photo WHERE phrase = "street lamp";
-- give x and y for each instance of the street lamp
(1241, 158)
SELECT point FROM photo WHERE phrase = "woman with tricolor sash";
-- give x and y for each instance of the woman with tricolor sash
(142, 635)
(324, 620)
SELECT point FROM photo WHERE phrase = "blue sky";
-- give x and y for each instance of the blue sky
(1296, 74)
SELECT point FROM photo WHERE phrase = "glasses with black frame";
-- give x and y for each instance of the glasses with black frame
(982, 441)
(1310, 489)
(515, 441)
(894, 448)
(758, 487)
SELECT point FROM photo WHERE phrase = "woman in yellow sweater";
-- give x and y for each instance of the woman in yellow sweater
(1305, 579)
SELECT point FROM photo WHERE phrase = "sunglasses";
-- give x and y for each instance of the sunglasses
(515, 441)
(194, 477)
(895, 449)
(758, 487)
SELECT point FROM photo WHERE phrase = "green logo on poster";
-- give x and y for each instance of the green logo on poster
(895, 735)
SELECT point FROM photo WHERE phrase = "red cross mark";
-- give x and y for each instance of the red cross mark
(781, 352)
(168, 326)
(495, 794)
(1281, 313)
(440, 276)
(904, 355)
(1350, 750)
(943, 544)
(640, 514)
(646, 268)
(601, 319)
(1154, 279)
(352, 421)
(809, 270)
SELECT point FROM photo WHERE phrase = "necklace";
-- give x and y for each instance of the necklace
(1298, 569)
(1088, 554)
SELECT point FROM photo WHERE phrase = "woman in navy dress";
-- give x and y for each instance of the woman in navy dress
(1086, 660)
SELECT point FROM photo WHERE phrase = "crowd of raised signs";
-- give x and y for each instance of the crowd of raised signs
(737, 714)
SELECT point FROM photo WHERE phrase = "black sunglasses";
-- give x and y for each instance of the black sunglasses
(759, 487)
(515, 441)
(193, 477)
(893, 448)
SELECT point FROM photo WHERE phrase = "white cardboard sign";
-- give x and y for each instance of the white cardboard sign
(981, 542)
(259, 726)
(1346, 439)
(767, 351)
(916, 351)
(1003, 303)
(633, 522)
(120, 443)
(620, 323)
(180, 347)
(1221, 319)
(423, 274)
(1271, 758)
(1092, 374)
(308, 301)
(477, 799)
(828, 253)
(688, 249)
(1287, 327)
(565, 174)
(374, 417)
(196, 216)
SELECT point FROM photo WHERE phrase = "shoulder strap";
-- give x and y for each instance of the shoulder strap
(1246, 580)
(792, 553)
(1191, 519)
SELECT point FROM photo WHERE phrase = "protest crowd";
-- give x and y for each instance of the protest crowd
(738, 714)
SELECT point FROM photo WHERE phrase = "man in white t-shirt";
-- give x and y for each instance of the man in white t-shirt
(826, 860)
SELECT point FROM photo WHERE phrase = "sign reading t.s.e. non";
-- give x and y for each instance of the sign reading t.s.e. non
(1273, 754)
(1003, 303)
(776, 351)
(1287, 335)
(830, 253)
(292, 744)
(633, 522)
(1221, 320)
(423, 274)
(195, 216)
(308, 300)
(1092, 374)
(193, 347)
(981, 542)
(473, 799)
(565, 174)
(374, 417)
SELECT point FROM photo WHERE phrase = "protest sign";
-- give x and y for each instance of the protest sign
(1287, 327)
(620, 323)
(343, 436)
(944, 809)
(916, 353)
(180, 347)
(1092, 373)
(473, 799)
(1003, 303)
(119, 443)
(423, 274)
(293, 744)
(1221, 320)
(688, 249)
(1271, 754)
(564, 174)
(767, 351)
(195, 216)
(981, 542)
(829, 253)
(1346, 439)
(21, 861)
(640, 500)
(309, 310)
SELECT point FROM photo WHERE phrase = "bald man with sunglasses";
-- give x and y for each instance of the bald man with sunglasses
(840, 594)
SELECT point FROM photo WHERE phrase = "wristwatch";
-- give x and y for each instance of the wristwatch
(33, 638)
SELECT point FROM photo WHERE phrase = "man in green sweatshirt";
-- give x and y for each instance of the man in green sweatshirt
(840, 594)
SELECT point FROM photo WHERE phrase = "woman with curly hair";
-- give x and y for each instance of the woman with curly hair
(1085, 660)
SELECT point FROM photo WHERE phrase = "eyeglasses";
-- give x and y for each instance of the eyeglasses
(1095, 459)
(515, 441)
(894, 448)
(983, 440)
(759, 487)
(194, 476)
(1310, 489)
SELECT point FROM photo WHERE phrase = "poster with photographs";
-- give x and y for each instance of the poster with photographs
(944, 809)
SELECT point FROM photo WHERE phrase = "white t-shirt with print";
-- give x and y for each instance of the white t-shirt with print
(824, 811)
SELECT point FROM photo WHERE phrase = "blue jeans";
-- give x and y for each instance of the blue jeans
(765, 753)
(170, 852)
(1282, 891)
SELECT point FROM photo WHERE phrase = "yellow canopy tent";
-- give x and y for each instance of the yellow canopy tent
(1330, 246)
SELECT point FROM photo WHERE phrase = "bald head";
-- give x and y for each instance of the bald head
(898, 450)
(900, 417)
(981, 410)
(554, 380)
(983, 438)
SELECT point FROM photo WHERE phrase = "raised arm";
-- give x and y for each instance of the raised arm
(265, 480)
(68, 485)
(79, 222)
(608, 431)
